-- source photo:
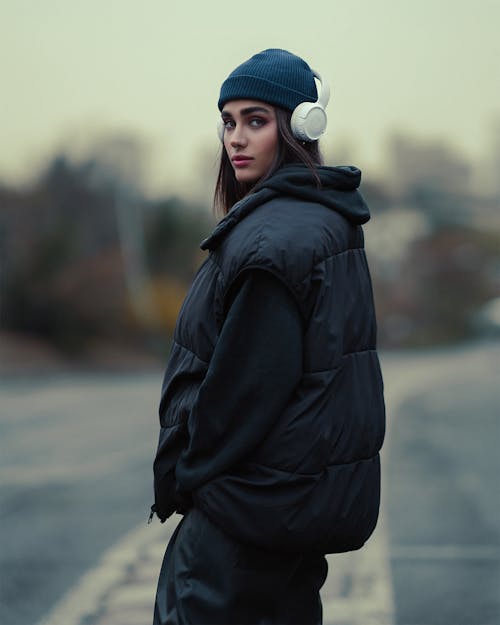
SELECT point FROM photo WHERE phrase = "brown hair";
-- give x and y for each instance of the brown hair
(228, 190)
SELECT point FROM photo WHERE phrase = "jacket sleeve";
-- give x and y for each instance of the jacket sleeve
(255, 367)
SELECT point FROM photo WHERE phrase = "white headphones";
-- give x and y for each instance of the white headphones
(308, 120)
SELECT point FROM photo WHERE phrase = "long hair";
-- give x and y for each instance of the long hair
(228, 190)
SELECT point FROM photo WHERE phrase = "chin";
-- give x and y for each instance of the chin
(245, 177)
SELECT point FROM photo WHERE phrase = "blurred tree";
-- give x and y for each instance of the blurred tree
(174, 232)
(53, 231)
(74, 263)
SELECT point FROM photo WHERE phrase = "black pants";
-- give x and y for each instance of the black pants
(207, 578)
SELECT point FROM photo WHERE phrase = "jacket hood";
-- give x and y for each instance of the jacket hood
(299, 181)
(338, 191)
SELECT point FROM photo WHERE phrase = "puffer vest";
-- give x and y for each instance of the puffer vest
(314, 482)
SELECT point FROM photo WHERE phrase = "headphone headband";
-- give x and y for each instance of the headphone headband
(324, 94)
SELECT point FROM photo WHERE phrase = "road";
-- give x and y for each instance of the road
(76, 475)
(75, 467)
(443, 495)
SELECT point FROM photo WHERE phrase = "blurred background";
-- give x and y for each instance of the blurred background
(107, 166)
(109, 156)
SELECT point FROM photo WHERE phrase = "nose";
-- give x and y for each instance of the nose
(238, 137)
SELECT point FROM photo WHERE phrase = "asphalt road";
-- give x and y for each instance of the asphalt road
(75, 475)
(443, 495)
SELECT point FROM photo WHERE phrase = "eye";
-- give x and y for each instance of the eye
(257, 122)
(228, 124)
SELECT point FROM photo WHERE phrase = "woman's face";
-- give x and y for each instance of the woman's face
(250, 138)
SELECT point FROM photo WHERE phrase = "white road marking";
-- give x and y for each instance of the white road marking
(361, 585)
(82, 600)
(39, 475)
(446, 552)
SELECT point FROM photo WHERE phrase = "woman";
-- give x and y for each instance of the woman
(272, 411)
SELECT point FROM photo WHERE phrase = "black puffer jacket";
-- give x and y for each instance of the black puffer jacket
(314, 482)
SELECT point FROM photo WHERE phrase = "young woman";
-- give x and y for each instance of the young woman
(272, 410)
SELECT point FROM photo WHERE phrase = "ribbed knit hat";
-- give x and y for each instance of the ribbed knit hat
(274, 76)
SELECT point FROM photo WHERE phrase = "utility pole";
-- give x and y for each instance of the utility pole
(123, 157)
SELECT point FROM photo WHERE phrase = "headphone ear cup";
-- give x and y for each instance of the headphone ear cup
(308, 121)
(220, 130)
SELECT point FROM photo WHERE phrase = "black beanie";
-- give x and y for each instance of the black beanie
(274, 76)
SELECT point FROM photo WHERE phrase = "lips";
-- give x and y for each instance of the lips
(240, 160)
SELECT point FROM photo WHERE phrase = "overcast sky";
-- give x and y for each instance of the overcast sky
(71, 69)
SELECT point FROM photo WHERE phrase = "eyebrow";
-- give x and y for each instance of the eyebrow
(248, 111)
